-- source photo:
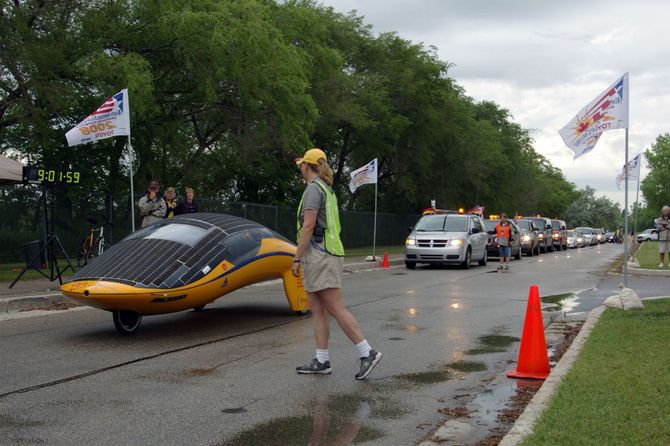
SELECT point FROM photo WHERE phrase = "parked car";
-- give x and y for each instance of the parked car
(530, 243)
(600, 235)
(559, 234)
(447, 239)
(575, 240)
(543, 233)
(588, 234)
(647, 234)
(492, 248)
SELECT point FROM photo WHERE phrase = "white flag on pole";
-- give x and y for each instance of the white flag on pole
(608, 111)
(633, 170)
(364, 175)
(110, 119)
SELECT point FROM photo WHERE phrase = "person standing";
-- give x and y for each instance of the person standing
(170, 202)
(152, 206)
(663, 225)
(320, 253)
(188, 205)
(504, 235)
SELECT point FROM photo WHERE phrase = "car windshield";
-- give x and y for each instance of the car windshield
(523, 224)
(584, 231)
(571, 233)
(448, 223)
(555, 225)
(490, 225)
(541, 224)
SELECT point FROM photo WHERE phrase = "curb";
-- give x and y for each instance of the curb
(524, 425)
(35, 301)
(648, 272)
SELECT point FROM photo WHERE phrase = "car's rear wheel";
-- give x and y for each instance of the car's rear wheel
(410, 265)
(468, 259)
(484, 259)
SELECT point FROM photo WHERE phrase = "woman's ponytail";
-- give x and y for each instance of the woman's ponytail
(325, 172)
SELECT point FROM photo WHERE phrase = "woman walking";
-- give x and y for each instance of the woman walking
(320, 252)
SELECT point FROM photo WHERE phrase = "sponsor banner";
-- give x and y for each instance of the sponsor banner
(110, 119)
(364, 175)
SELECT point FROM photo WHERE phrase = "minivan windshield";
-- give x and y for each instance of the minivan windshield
(523, 224)
(448, 223)
(541, 224)
(555, 225)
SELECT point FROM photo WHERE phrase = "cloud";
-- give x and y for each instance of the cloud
(545, 60)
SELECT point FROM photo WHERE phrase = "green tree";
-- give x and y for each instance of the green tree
(656, 185)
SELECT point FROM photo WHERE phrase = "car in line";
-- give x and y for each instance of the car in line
(575, 240)
(559, 236)
(447, 238)
(611, 237)
(492, 247)
(588, 234)
(647, 235)
(543, 233)
(600, 235)
(530, 243)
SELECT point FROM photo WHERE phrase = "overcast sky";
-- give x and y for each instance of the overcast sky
(544, 61)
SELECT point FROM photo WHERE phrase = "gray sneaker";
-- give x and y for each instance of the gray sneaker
(314, 368)
(369, 363)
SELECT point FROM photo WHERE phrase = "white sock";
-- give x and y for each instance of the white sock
(363, 348)
(322, 355)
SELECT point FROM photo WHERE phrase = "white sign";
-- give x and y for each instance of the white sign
(633, 170)
(110, 119)
(365, 175)
(608, 111)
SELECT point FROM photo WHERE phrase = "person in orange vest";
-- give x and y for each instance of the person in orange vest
(504, 235)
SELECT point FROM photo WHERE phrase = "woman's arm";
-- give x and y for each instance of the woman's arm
(306, 232)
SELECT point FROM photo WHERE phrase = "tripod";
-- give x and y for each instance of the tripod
(49, 250)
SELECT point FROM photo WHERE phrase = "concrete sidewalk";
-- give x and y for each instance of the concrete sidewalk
(32, 294)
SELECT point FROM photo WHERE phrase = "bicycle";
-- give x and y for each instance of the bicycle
(94, 244)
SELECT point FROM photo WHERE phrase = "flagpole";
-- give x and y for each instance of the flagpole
(637, 203)
(625, 218)
(374, 230)
(132, 191)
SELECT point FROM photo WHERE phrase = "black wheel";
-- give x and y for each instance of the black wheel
(410, 265)
(531, 251)
(199, 307)
(550, 248)
(126, 322)
(468, 259)
(302, 312)
(82, 259)
(484, 259)
(518, 254)
(565, 247)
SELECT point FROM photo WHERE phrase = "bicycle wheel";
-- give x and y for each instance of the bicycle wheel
(82, 259)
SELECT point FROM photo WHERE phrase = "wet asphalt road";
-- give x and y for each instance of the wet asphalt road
(226, 376)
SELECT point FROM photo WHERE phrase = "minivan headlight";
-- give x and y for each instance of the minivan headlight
(526, 238)
(456, 242)
(411, 241)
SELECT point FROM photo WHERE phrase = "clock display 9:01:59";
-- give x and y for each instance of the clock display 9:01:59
(58, 176)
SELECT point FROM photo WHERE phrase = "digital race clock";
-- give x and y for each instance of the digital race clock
(39, 175)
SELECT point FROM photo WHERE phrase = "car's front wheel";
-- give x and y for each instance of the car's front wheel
(468, 259)
(410, 265)
(484, 259)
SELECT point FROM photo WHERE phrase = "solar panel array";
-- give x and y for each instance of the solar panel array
(156, 263)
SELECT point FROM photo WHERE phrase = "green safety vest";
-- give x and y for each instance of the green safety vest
(331, 234)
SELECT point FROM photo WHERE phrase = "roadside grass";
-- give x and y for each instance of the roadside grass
(647, 255)
(379, 251)
(617, 390)
(9, 271)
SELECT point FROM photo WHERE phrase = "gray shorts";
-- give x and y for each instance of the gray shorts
(664, 246)
(321, 270)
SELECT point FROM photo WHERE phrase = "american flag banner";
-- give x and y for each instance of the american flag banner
(608, 111)
(632, 168)
(110, 119)
(363, 175)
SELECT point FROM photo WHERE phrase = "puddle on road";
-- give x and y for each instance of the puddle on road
(8, 421)
(441, 373)
(335, 420)
(200, 372)
(467, 366)
(492, 344)
(234, 410)
(396, 338)
(557, 301)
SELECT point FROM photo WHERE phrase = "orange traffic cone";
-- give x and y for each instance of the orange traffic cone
(385, 260)
(533, 361)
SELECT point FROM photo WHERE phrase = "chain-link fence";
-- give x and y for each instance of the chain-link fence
(22, 216)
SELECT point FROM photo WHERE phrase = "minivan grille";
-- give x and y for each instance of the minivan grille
(431, 243)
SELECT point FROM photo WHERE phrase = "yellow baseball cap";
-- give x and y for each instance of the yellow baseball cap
(312, 156)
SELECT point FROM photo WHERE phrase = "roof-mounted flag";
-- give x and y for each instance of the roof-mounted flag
(110, 119)
(364, 175)
(608, 111)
